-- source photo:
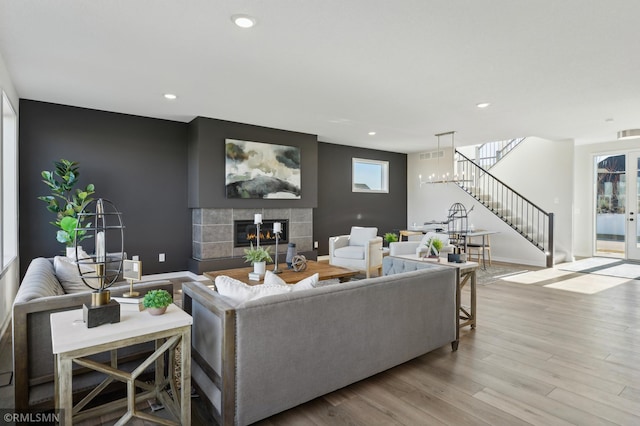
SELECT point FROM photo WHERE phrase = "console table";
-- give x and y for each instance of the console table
(465, 274)
(72, 341)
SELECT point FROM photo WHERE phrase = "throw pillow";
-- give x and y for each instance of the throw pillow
(67, 273)
(239, 292)
(309, 282)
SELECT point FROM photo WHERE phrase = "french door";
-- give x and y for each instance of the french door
(633, 206)
(617, 209)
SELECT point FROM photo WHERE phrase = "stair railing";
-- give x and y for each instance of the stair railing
(488, 154)
(526, 218)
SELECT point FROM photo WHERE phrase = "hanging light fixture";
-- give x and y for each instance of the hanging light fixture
(440, 177)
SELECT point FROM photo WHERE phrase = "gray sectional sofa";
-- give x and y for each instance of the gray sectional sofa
(40, 294)
(268, 355)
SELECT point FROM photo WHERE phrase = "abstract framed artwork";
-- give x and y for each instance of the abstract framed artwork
(261, 170)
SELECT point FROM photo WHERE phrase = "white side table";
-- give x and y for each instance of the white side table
(72, 341)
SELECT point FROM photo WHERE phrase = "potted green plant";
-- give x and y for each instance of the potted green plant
(390, 237)
(436, 246)
(65, 201)
(258, 257)
(156, 301)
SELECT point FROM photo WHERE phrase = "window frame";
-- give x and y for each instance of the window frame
(383, 175)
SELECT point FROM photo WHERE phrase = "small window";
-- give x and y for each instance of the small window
(370, 176)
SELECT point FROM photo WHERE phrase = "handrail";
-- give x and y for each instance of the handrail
(488, 154)
(524, 216)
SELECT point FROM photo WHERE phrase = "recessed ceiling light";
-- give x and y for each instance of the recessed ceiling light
(372, 133)
(170, 96)
(483, 104)
(243, 21)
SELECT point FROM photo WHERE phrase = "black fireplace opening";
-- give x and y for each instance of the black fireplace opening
(245, 232)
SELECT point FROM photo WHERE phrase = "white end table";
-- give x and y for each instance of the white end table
(72, 341)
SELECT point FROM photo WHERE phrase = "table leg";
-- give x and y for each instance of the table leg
(64, 389)
(185, 369)
(458, 304)
(484, 263)
(473, 298)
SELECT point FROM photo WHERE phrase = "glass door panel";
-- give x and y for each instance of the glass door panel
(633, 194)
(610, 209)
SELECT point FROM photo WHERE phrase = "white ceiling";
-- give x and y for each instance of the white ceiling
(406, 69)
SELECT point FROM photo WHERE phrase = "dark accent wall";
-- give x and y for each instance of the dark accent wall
(155, 171)
(339, 208)
(207, 163)
(138, 163)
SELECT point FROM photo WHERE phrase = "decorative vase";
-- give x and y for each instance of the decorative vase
(157, 311)
(71, 252)
(260, 267)
(291, 252)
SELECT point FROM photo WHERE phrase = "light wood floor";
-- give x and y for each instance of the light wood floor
(539, 356)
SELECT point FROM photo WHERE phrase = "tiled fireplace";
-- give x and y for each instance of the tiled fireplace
(215, 231)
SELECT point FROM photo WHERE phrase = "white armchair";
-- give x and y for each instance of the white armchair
(362, 250)
(420, 248)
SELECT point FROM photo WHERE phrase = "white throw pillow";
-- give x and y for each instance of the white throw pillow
(309, 282)
(361, 235)
(67, 273)
(273, 279)
(239, 292)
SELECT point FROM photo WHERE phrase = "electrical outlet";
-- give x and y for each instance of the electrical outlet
(315, 244)
(161, 257)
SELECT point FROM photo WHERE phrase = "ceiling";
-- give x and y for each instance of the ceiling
(406, 69)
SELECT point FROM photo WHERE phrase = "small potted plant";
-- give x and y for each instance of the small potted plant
(156, 301)
(436, 246)
(258, 257)
(390, 237)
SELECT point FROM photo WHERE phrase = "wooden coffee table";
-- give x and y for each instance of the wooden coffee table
(324, 270)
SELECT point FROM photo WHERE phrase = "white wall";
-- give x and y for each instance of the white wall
(584, 189)
(539, 169)
(9, 280)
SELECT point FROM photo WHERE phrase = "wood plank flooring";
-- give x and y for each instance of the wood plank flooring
(539, 356)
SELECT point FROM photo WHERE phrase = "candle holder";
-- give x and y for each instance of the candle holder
(277, 228)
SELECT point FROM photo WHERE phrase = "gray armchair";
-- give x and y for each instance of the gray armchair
(361, 249)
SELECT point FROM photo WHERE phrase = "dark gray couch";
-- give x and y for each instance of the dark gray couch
(40, 294)
(271, 354)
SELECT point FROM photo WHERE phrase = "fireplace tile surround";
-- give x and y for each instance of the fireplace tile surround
(213, 230)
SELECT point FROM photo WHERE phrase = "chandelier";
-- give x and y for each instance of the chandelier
(439, 176)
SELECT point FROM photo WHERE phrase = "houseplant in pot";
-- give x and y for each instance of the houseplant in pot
(65, 201)
(435, 245)
(156, 301)
(258, 257)
(390, 237)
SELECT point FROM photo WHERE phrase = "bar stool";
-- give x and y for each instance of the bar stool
(480, 249)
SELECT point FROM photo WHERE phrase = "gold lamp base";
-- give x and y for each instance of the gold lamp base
(103, 310)
(131, 293)
(100, 298)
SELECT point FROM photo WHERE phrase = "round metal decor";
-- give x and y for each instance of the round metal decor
(299, 263)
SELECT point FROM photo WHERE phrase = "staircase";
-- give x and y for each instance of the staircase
(523, 216)
(488, 154)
